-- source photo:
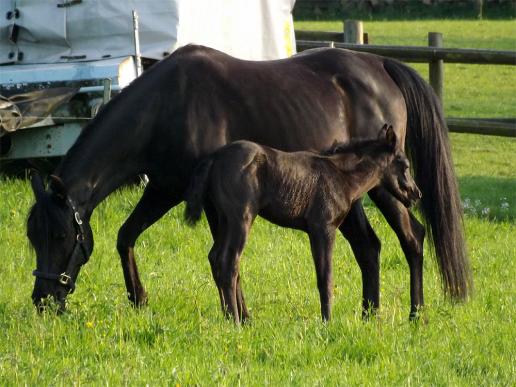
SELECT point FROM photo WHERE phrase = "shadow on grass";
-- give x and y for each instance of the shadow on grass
(492, 198)
(489, 198)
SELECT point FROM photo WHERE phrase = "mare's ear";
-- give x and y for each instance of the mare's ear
(58, 187)
(37, 185)
(390, 137)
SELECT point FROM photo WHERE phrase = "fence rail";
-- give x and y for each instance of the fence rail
(418, 54)
(435, 55)
(490, 126)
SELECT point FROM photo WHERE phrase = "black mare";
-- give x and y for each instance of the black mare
(199, 99)
(302, 190)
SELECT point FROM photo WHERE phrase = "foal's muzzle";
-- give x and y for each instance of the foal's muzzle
(414, 194)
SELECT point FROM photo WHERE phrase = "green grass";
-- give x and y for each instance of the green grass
(182, 338)
(469, 90)
(499, 34)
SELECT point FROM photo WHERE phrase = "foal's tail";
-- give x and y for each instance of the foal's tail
(429, 150)
(196, 191)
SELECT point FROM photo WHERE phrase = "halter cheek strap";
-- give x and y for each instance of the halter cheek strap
(78, 257)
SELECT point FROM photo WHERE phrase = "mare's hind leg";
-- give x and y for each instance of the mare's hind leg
(411, 235)
(215, 227)
(151, 207)
(321, 242)
(366, 247)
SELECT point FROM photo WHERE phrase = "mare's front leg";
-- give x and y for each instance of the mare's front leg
(321, 243)
(151, 207)
(411, 235)
(366, 248)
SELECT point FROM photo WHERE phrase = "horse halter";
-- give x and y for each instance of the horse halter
(65, 278)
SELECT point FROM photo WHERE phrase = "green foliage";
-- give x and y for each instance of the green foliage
(402, 10)
(181, 338)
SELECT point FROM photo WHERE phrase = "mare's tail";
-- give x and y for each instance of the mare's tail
(429, 150)
(196, 191)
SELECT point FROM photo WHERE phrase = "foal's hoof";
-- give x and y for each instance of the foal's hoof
(139, 301)
(245, 320)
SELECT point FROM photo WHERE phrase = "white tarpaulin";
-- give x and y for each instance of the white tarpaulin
(249, 29)
(52, 31)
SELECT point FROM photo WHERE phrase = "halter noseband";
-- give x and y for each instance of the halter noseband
(65, 278)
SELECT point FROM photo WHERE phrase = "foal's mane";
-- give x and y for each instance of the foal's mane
(360, 147)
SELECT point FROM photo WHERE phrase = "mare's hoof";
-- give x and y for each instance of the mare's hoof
(418, 316)
(369, 314)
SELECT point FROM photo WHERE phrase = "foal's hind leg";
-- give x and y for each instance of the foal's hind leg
(151, 207)
(321, 242)
(366, 247)
(242, 308)
(228, 263)
(411, 235)
(215, 228)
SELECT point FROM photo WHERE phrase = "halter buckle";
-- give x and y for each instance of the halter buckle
(78, 219)
(64, 279)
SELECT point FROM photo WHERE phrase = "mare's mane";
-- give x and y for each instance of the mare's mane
(43, 215)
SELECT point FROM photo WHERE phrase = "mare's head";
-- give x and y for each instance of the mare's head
(62, 241)
(396, 177)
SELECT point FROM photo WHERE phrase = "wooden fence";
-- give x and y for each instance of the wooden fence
(435, 55)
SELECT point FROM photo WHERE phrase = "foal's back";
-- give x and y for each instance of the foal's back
(283, 187)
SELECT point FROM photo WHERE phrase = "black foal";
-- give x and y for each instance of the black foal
(301, 190)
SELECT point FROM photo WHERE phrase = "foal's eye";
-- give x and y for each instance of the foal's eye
(403, 163)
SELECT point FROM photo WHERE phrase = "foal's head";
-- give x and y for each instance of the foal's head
(393, 164)
(396, 177)
(62, 242)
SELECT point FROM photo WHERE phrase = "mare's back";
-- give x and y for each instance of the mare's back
(298, 103)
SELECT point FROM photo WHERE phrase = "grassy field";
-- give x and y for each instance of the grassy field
(181, 338)
(469, 90)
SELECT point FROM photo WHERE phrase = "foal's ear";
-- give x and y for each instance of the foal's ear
(58, 187)
(382, 132)
(37, 185)
(390, 137)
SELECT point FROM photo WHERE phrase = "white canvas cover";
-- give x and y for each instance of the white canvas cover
(52, 31)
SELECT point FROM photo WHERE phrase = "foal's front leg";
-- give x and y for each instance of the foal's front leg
(321, 242)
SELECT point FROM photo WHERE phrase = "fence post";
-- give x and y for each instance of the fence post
(353, 32)
(436, 67)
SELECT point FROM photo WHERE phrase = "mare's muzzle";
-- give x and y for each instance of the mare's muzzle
(59, 285)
